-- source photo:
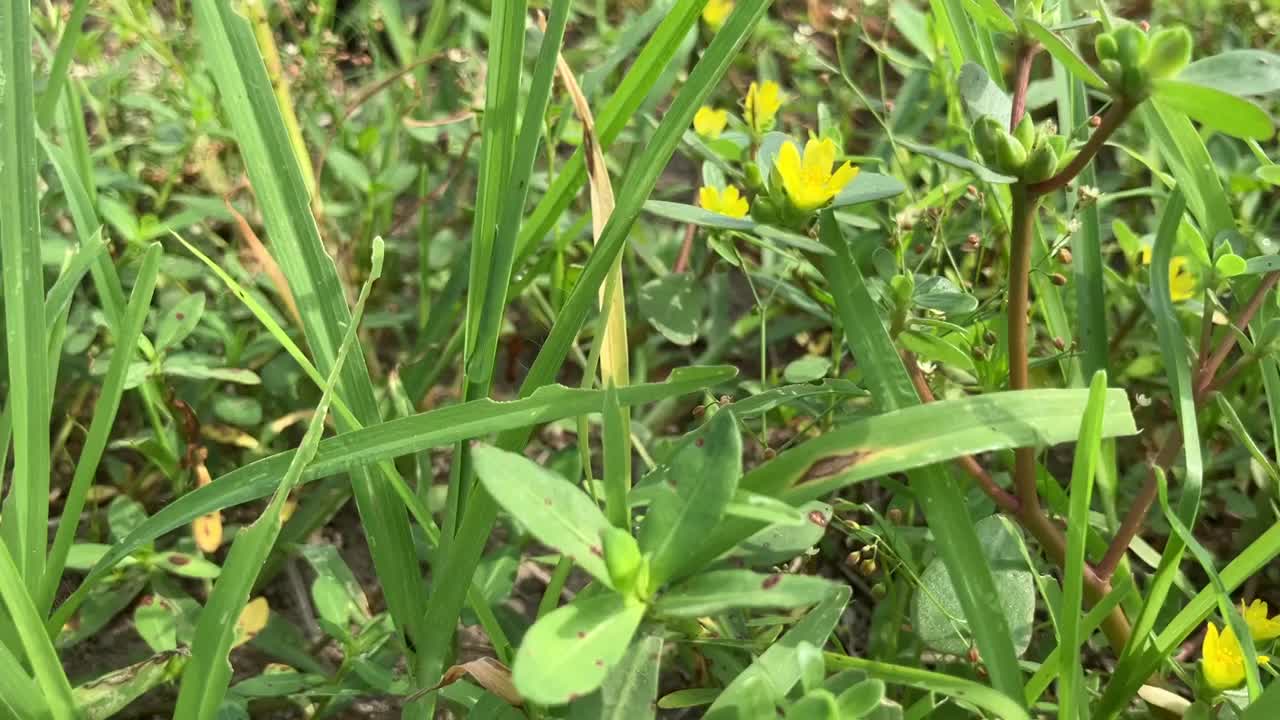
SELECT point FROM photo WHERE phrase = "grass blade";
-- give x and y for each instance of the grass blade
(482, 511)
(205, 679)
(1173, 351)
(231, 52)
(959, 688)
(944, 506)
(26, 511)
(40, 652)
(61, 62)
(391, 439)
(1088, 449)
(104, 416)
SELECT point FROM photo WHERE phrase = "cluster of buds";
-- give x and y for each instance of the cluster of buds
(1031, 153)
(1130, 60)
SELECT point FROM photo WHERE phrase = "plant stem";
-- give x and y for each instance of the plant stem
(1024, 211)
(1134, 518)
(1026, 54)
(1111, 120)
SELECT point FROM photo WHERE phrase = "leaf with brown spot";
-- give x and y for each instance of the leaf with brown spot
(569, 651)
(721, 590)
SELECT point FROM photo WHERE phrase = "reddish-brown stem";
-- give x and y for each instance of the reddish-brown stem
(1205, 380)
(1021, 80)
(686, 248)
(1111, 120)
(1024, 212)
(1001, 497)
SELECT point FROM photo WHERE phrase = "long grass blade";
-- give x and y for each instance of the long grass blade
(40, 652)
(205, 680)
(26, 510)
(1088, 450)
(481, 512)
(944, 506)
(104, 416)
(231, 54)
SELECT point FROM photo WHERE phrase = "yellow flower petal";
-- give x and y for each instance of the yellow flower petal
(762, 104)
(1261, 627)
(1182, 282)
(1222, 659)
(810, 183)
(842, 177)
(727, 202)
(709, 122)
(253, 618)
(716, 12)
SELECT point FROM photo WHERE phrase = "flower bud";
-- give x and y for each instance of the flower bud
(622, 558)
(986, 134)
(1010, 154)
(990, 338)
(754, 180)
(1132, 45)
(1112, 71)
(1170, 52)
(867, 567)
(1105, 46)
(1026, 132)
(1041, 164)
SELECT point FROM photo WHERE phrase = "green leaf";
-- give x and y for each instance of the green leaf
(107, 695)
(1088, 451)
(391, 439)
(783, 541)
(177, 322)
(968, 691)
(1063, 53)
(778, 668)
(1216, 109)
(862, 699)
(568, 653)
(983, 97)
(937, 615)
(980, 171)
(1231, 265)
(868, 187)
(629, 689)
(1262, 264)
(703, 472)
(714, 592)
(747, 504)
(550, 507)
(806, 369)
(39, 650)
(989, 13)
(695, 215)
(1238, 72)
(818, 704)
(675, 305)
(156, 621)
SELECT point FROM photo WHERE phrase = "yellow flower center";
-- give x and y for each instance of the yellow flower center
(724, 202)
(809, 181)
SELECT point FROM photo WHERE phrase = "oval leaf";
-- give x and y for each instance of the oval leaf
(568, 652)
(720, 590)
(550, 507)
(1239, 72)
(674, 304)
(1216, 109)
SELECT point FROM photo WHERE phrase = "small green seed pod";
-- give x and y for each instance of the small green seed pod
(1170, 52)
(754, 180)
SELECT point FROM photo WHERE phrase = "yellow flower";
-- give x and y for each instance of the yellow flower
(1261, 627)
(1223, 658)
(762, 105)
(809, 183)
(709, 122)
(716, 12)
(725, 202)
(1182, 284)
